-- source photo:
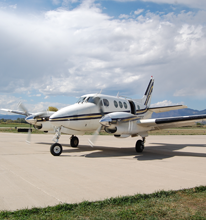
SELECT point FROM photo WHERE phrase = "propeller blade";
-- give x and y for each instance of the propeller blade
(28, 140)
(99, 103)
(23, 108)
(93, 139)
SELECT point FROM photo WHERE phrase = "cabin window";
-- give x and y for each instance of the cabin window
(120, 104)
(125, 105)
(115, 104)
(106, 102)
(138, 107)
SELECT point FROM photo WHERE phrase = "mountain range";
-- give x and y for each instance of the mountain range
(12, 117)
(180, 112)
(174, 113)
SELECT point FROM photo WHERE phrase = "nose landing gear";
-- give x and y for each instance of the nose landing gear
(56, 148)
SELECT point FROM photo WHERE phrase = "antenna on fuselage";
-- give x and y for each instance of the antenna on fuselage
(118, 95)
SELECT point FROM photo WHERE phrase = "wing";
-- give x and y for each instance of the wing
(43, 114)
(162, 123)
(14, 111)
(167, 108)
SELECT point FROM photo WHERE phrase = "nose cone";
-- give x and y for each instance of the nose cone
(59, 117)
(106, 121)
(31, 120)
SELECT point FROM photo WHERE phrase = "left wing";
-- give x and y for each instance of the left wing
(120, 123)
(161, 123)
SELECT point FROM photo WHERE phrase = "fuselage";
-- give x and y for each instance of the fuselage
(85, 114)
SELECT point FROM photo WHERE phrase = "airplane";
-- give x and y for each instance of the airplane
(123, 117)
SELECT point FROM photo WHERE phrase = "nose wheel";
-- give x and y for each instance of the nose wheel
(56, 149)
(74, 141)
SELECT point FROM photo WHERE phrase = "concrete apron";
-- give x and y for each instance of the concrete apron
(31, 177)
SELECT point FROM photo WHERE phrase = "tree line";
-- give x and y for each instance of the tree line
(10, 121)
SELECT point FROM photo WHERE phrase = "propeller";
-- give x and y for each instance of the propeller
(28, 140)
(23, 108)
(99, 104)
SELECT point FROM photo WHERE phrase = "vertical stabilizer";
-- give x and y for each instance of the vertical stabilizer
(146, 100)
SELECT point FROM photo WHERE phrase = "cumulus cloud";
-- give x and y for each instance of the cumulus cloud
(78, 51)
(43, 106)
(139, 11)
(13, 6)
(165, 103)
(191, 3)
(11, 102)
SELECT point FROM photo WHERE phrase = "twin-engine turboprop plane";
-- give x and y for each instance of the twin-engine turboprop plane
(122, 117)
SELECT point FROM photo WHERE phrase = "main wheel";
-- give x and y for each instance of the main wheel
(56, 149)
(74, 142)
(139, 146)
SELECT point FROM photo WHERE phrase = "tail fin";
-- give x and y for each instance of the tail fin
(146, 100)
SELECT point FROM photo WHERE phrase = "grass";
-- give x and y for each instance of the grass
(189, 130)
(13, 125)
(179, 131)
(13, 130)
(182, 204)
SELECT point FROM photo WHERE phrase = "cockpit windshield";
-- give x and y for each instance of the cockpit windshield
(90, 99)
(81, 100)
(94, 100)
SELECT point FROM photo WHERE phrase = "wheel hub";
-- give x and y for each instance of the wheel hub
(57, 149)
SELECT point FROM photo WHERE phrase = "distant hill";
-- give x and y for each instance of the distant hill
(12, 117)
(174, 113)
(180, 112)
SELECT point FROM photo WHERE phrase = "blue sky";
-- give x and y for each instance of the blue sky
(54, 51)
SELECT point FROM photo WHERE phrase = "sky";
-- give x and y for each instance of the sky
(54, 51)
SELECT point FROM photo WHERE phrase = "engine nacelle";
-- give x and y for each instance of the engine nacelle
(44, 126)
(121, 136)
(123, 128)
(123, 124)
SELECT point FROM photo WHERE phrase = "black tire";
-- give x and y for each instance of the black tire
(74, 142)
(139, 146)
(56, 149)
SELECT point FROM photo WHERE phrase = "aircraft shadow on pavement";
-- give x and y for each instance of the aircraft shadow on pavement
(158, 152)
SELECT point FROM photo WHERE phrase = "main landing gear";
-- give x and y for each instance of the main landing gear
(56, 148)
(74, 141)
(140, 145)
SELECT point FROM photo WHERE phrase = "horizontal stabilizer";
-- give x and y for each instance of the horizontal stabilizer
(166, 108)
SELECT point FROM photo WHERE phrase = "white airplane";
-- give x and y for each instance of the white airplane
(122, 117)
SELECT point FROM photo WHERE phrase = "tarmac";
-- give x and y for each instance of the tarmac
(31, 177)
